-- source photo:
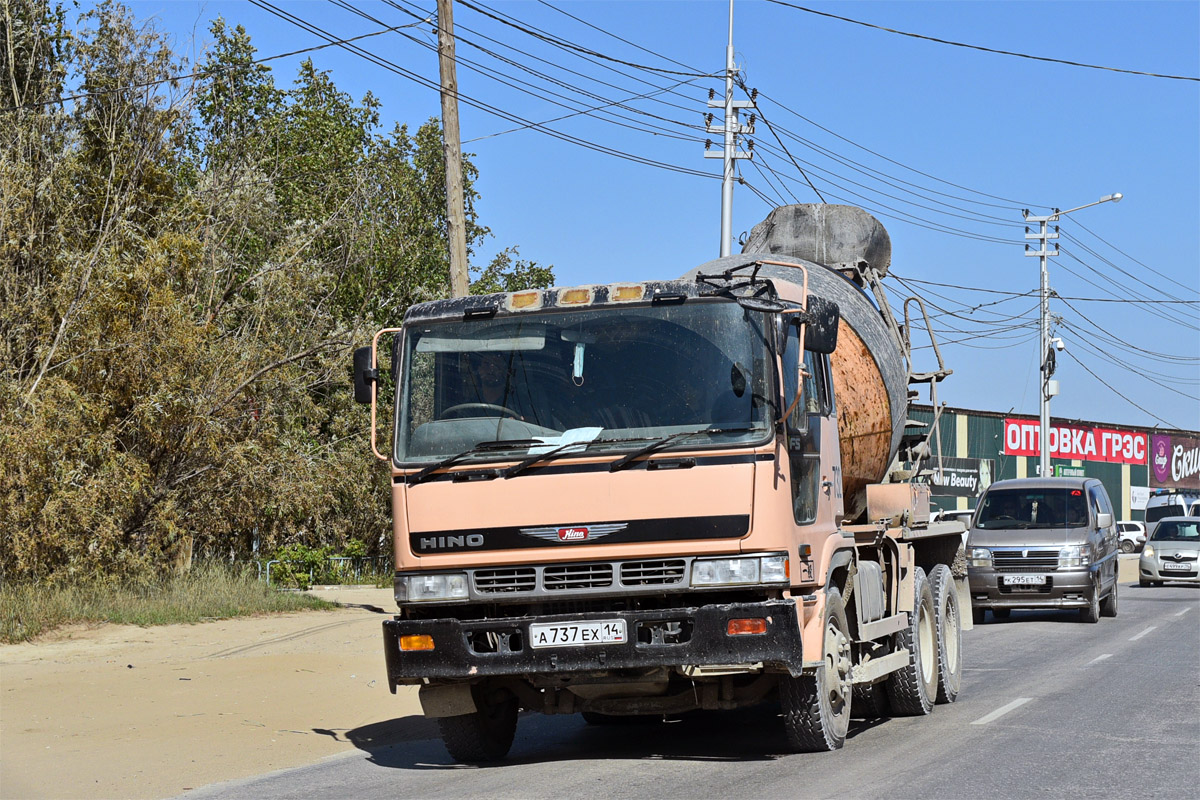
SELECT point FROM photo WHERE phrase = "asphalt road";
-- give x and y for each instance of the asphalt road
(1050, 707)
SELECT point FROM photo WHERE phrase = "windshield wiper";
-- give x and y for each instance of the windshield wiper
(518, 468)
(666, 441)
(482, 447)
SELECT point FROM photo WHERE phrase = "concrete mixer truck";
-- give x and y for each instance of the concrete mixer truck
(641, 499)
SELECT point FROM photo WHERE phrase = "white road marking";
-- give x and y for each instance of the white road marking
(1098, 659)
(1000, 712)
(1184, 611)
(1143, 633)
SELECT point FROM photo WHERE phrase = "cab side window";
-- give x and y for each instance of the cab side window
(804, 430)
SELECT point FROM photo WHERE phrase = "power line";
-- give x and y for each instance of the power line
(202, 73)
(981, 48)
(1109, 387)
(471, 101)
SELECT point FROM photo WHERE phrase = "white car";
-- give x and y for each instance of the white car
(1133, 536)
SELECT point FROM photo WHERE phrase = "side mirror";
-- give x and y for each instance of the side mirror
(364, 375)
(822, 318)
(1104, 519)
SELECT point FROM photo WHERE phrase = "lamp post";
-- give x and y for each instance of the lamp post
(1050, 388)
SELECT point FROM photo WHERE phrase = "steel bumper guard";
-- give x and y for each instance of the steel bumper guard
(664, 637)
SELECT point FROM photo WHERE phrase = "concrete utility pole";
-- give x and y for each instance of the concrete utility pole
(456, 229)
(1049, 388)
(729, 131)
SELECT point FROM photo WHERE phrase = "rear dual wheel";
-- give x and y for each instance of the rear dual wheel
(949, 633)
(913, 689)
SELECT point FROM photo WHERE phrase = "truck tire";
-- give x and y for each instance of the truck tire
(1108, 606)
(1091, 613)
(816, 707)
(487, 733)
(913, 689)
(869, 701)
(949, 634)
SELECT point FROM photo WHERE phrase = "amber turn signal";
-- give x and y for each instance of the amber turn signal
(421, 642)
(738, 627)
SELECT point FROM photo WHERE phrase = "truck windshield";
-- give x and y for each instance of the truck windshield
(612, 379)
(1033, 508)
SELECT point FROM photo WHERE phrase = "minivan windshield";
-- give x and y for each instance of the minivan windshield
(606, 379)
(1177, 531)
(1033, 508)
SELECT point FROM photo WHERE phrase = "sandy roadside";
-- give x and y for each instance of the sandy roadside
(126, 712)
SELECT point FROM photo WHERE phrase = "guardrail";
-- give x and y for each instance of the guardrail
(340, 569)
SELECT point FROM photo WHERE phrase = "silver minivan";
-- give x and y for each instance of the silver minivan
(1043, 543)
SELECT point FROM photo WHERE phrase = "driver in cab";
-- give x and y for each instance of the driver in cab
(491, 388)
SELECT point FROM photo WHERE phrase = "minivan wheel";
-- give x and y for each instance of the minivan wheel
(977, 615)
(1092, 612)
(1108, 608)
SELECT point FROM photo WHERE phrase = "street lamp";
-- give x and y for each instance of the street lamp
(1050, 388)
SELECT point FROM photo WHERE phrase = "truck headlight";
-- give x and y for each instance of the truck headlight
(980, 557)
(431, 587)
(740, 571)
(1075, 555)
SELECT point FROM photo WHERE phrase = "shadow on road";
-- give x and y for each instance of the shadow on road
(756, 734)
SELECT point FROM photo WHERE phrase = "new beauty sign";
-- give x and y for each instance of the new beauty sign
(1021, 438)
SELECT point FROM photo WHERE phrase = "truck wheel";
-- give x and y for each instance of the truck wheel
(913, 689)
(816, 707)
(1092, 612)
(949, 634)
(486, 734)
(1108, 607)
(596, 718)
(869, 701)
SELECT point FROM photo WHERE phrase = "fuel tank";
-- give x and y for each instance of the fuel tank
(869, 375)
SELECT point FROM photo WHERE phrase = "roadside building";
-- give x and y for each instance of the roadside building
(979, 447)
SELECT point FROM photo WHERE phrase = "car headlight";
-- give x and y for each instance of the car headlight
(431, 587)
(980, 557)
(1148, 551)
(1075, 555)
(740, 571)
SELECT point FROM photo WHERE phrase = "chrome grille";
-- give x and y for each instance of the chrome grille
(577, 576)
(1037, 560)
(653, 573)
(505, 579)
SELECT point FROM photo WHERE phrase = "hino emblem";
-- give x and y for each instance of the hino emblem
(574, 533)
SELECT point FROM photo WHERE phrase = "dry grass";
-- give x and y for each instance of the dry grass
(213, 591)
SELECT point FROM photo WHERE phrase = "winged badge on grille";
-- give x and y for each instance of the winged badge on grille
(574, 533)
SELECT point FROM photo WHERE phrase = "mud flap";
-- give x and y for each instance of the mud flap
(447, 701)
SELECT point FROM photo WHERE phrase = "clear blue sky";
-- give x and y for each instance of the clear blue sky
(965, 138)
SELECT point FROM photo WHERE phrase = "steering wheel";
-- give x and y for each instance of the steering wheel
(508, 412)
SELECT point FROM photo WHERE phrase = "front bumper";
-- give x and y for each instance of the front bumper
(697, 636)
(1151, 569)
(1063, 589)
